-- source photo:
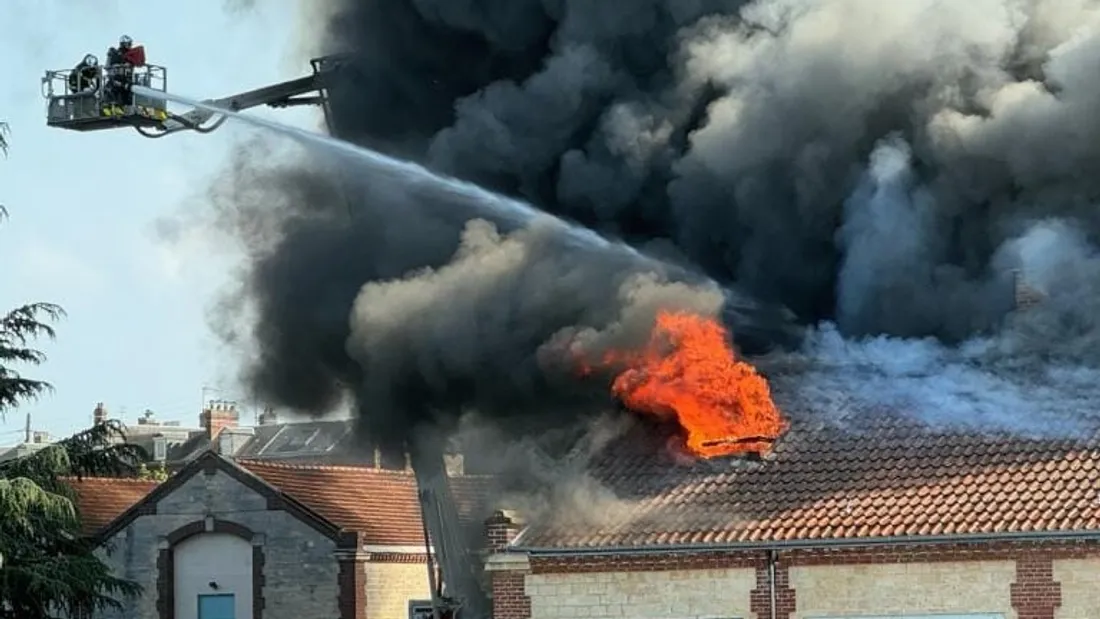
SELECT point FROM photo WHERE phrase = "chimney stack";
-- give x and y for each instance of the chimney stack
(218, 415)
(99, 415)
(268, 417)
(502, 528)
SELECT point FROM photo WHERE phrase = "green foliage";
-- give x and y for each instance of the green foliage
(152, 472)
(17, 329)
(50, 569)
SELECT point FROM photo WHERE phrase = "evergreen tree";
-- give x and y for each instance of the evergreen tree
(49, 569)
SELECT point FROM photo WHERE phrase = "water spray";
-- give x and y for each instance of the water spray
(510, 210)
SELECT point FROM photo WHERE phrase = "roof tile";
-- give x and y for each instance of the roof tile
(379, 503)
(102, 499)
(891, 478)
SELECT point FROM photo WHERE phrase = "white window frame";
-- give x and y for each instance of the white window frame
(160, 448)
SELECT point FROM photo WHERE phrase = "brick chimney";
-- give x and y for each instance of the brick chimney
(501, 529)
(99, 415)
(268, 417)
(218, 415)
(507, 571)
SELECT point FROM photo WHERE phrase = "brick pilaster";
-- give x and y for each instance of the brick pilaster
(1035, 594)
(351, 577)
(507, 571)
(510, 599)
(760, 601)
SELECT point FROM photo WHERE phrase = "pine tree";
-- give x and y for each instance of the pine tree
(49, 569)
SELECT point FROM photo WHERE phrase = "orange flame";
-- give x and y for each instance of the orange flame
(689, 370)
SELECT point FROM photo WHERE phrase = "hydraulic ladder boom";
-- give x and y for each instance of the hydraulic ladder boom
(284, 94)
(460, 593)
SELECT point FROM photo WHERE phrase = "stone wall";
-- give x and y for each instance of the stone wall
(1080, 588)
(391, 585)
(686, 594)
(299, 570)
(887, 589)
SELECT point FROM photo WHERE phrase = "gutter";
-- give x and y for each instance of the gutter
(902, 540)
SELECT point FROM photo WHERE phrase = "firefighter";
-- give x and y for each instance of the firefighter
(121, 61)
(85, 75)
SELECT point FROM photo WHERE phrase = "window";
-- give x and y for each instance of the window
(420, 609)
(219, 606)
(160, 448)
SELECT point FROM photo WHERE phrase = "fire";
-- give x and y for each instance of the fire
(689, 370)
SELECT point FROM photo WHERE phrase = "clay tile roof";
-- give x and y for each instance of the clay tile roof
(380, 504)
(876, 477)
(101, 499)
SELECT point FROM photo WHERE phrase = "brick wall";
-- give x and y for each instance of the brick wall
(510, 599)
(1054, 580)
(761, 598)
(1035, 594)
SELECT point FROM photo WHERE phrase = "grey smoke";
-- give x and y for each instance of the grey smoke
(879, 168)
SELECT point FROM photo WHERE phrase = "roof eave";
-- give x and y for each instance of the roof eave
(812, 544)
(210, 458)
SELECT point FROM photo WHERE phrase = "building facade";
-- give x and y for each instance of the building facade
(896, 522)
(264, 540)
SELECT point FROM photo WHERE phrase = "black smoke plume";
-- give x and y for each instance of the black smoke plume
(883, 167)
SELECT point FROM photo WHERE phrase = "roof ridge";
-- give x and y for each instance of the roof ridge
(107, 478)
(261, 462)
(246, 462)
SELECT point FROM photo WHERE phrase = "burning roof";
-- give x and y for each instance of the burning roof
(891, 478)
(689, 372)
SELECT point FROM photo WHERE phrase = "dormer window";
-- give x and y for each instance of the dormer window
(160, 448)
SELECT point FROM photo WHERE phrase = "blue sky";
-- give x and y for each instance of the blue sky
(84, 206)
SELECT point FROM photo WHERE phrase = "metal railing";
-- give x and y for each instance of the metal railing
(64, 105)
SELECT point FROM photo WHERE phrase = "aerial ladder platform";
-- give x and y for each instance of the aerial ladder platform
(88, 110)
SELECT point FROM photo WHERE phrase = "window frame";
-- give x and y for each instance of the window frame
(419, 605)
(199, 598)
(160, 448)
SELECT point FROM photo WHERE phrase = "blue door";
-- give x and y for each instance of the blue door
(220, 606)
